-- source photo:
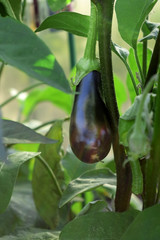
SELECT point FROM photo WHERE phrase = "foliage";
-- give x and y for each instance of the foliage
(45, 191)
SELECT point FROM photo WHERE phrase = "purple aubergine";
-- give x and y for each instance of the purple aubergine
(90, 135)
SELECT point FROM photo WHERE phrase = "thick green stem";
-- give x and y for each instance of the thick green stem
(22, 91)
(105, 13)
(92, 35)
(51, 173)
(153, 163)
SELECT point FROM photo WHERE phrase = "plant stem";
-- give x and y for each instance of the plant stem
(92, 34)
(139, 67)
(144, 59)
(105, 13)
(153, 163)
(132, 78)
(48, 168)
(24, 90)
(50, 122)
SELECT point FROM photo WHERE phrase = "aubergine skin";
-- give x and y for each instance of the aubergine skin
(90, 135)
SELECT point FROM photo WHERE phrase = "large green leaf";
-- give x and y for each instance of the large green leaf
(134, 68)
(145, 226)
(8, 175)
(49, 94)
(131, 15)
(21, 48)
(56, 5)
(69, 21)
(15, 132)
(45, 191)
(87, 181)
(98, 226)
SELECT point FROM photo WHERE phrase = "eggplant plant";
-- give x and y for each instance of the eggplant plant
(106, 183)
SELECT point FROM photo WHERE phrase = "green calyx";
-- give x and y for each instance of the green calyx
(85, 66)
(89, 62)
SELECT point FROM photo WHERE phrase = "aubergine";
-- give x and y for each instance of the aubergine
(90, 135)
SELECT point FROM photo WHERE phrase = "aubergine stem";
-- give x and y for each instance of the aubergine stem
(124, 175)
(92, 35)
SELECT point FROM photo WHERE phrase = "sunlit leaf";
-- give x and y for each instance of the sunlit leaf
(21, 48)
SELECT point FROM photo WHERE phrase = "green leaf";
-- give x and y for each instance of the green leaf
(15, 132)
(46, 195)
(74, 166)
(87, 181)
(99, 226)
(21, 212)
(58, 98)
(8, 175)
(6, 9)
(3, 155)
(131, 15)
(21, 48)
(94, 207)
(145, 226)
(16, 7)
(150, 30)
(134, 68)
(72, 22)
(121, 52)
(77, 24)
(121, 94)
(56, 5)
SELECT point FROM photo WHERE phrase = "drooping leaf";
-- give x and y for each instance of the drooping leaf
(45, 191)
(131, 15)
(87, 181)
(8, 175)
(15, 132)
(99, 226)
(134, 68)
(21, 48)
(58, 98)
(121, 52)
(145, 226)
(56, 5)
(150, 30)
(68, 21)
